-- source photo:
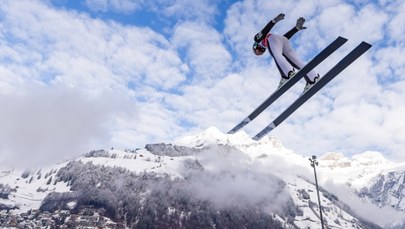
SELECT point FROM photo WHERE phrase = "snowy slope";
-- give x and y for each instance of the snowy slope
(352, 180)
(250, 164)
(29, 192)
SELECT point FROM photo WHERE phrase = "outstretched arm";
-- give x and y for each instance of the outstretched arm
(298, 26)
(263, 33)
(291, 33)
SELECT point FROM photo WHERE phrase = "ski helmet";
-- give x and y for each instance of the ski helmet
(258, 48)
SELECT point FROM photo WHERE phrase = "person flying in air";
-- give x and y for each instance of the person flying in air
(280, 49)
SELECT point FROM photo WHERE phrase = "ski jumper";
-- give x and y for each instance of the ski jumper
(284, 56)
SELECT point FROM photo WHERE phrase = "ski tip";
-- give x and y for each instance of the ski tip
(231, 132)
(256, 138)
(342, 38)
(368, 45)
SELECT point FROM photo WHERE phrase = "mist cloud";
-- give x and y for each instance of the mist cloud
(228, 181)
(384, 216)
(44, 125)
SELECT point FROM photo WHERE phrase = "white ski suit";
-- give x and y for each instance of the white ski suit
(284, 55)
(280, 49)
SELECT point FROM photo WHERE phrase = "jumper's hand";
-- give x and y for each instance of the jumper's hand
(300, 23)
(278, 18)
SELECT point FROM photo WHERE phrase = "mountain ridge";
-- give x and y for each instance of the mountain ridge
(237, 166)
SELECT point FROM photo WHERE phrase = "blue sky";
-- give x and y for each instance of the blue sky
(89, 74)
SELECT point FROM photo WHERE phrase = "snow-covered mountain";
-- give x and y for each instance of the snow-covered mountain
(211, 179)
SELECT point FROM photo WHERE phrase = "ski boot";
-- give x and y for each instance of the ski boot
(285, 79)
(310, 84)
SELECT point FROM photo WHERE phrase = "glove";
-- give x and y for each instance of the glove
(300, 23)
(278, 18)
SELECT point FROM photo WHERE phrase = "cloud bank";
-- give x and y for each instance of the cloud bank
(198, 71)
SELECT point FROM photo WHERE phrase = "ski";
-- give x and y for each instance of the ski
(338, 68)
(279, 91)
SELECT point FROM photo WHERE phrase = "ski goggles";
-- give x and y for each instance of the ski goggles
(258, 49)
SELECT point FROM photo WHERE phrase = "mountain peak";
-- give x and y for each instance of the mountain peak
(370, 158)
(213, 135)
(332, 156)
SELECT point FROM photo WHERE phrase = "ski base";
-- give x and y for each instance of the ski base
(331, 48)
(338, 68)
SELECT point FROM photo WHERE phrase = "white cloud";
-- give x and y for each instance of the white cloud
(356, 24)
(385, 216)
(76, 49)
(71, 52)
(42, 125)
(203, 10)
(229, 181)
(125, 6)
(97, 5)
(204, 50)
